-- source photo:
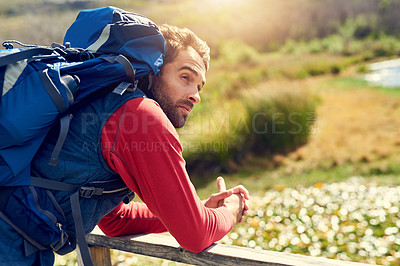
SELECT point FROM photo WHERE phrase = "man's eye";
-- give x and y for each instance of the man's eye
(185, 77)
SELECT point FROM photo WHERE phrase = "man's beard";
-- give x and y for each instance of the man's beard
(170, 108)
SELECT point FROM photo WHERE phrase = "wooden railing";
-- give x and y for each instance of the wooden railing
(166, 247)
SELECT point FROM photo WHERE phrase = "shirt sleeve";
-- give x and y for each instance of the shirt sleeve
(142, 146)
(132, 218)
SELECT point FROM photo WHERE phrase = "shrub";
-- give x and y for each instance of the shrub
(265, 120)
(279, 118)
(214, 137)
(236, 51)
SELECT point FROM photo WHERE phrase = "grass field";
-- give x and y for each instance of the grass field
(355, 132)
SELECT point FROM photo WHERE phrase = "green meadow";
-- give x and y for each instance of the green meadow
(286, 112)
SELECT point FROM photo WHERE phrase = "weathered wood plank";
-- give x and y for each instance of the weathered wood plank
(166, 247)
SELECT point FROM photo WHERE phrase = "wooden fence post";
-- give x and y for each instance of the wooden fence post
(100, 256)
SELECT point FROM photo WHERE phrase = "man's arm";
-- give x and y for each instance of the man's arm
(135, 217)
(141, 145)
(132, 218)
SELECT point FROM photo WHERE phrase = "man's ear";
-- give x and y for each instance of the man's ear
(146, 84)
(150, 81)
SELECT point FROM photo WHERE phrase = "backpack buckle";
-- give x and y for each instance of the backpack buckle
(88, 192)
(125, 86)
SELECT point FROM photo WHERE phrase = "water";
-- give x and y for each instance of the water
(385, 74)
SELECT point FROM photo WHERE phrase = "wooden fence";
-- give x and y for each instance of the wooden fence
(165, 247)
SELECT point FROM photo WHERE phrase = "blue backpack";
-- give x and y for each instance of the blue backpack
(104, 48)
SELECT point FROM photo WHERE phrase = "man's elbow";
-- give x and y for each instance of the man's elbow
(197, 243)
(196, 248)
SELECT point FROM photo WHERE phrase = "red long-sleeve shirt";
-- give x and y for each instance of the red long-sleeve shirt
(142, 146)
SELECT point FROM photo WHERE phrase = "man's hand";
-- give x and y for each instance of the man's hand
(235, 199)
(235, 204)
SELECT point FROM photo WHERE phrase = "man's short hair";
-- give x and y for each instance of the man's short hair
(177, 39)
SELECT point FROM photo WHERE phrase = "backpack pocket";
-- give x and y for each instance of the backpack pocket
(34, 213)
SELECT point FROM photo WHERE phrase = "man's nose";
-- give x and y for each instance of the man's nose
(194, 96)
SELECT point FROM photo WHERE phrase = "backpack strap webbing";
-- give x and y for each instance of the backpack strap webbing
(97, 188)
(53, 91)
(62, 108)
(64, 127)
(105, 189)
(129, 69)
(82, 246)
(25, 54)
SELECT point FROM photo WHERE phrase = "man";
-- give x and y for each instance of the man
(165, 186)
(134, 138)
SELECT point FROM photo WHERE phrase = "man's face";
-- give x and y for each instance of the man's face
(177, 89)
